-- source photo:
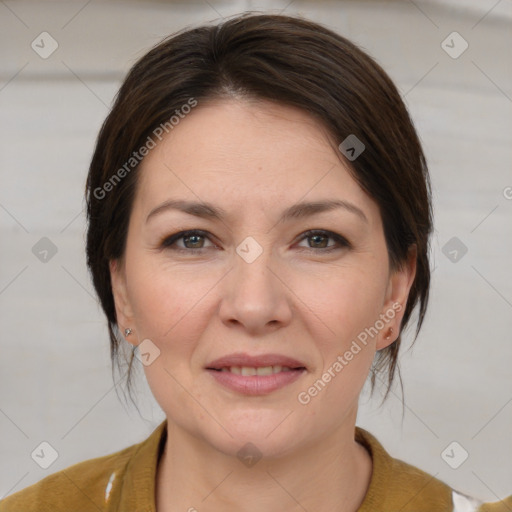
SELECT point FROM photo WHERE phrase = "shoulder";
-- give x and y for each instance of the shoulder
(397, 485)
(84, 484)
(505, 505)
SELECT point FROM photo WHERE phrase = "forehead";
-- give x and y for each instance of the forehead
(247, 154)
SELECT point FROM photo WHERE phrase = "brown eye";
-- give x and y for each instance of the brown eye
(193, 240)
(319, 240)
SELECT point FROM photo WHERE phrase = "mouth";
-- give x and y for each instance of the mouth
(249, 371)
(255, 375)
(261, 362)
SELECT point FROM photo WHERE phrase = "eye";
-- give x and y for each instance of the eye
(320, 238)
(192, 241)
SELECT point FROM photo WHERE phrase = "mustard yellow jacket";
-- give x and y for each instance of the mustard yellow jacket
(125, 482)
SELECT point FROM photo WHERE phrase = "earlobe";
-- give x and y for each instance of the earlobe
(124, 313)
(399, 286)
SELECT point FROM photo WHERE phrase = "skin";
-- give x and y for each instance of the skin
(254, 159)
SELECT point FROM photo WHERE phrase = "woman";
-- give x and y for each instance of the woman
(259, 217)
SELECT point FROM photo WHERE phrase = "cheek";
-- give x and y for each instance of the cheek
(341, 314)
(167, 302)
(169, 308)
(347, 302)
(174, 307)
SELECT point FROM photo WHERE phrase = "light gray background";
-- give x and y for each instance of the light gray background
(55, 380)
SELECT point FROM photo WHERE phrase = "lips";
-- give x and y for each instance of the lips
(255, 375)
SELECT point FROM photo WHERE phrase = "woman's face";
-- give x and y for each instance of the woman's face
(253, 282)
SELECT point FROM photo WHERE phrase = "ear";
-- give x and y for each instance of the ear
(124, 312)
(399, 285)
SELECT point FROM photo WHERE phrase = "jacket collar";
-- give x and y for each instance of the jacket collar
(139, 481)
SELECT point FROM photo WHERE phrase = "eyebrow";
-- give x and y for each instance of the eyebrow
(296, 211)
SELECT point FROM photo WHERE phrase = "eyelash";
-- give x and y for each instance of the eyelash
(169, 242)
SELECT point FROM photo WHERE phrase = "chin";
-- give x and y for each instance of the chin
(253, 446)
(265, 429)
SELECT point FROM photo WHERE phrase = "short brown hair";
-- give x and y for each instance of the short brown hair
(287, 60)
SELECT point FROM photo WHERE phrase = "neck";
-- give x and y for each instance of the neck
(332, 474)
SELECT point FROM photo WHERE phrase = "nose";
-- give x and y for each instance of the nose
(255, 294)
